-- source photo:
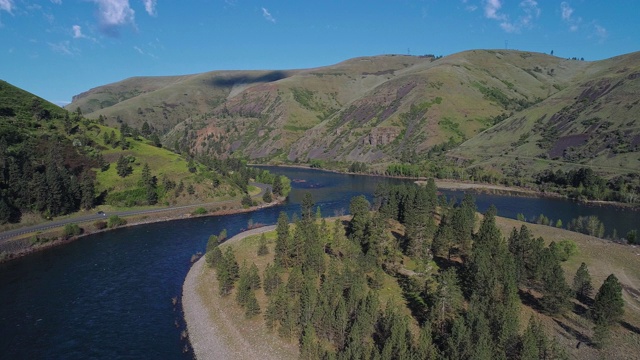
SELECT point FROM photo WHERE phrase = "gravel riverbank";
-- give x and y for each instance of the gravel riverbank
(215, 333)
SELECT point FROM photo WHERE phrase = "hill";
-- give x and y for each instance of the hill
(55, 163)
(495, 109)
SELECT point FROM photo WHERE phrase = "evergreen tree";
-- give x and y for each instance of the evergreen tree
(420, 225)
(357, 228)
(267, 197)
(555, 290)
(582, 283)
(122, 166)
(88, 193)
(425, 348)
(608, 305)
(443, 240)
(448, 299)
(463, 224)
(282, 251)
(254, 277)
(252, 308)
(277, 186)
(272, 279)
(262, 247)
(306, 208)
(492, 282)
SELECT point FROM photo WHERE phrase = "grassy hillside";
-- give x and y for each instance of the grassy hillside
(592, 123)
(513, 112)
(55, 163)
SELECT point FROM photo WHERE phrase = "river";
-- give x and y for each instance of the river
(111, 295)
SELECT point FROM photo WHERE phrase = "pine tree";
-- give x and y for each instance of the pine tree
(251, 305)
(122, 166)
(555, 290)
(608, 306)
(272, 279)
(276, 186)
(254, 277)
(448, 299)
(262, 248)
(282, 241)
(582, 283)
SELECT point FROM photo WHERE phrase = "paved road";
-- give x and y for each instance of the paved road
(58, 223)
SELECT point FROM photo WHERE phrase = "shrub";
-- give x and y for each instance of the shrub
(100, 225)
(71, 230)
(246, 201)
(199, 211)
(115, 221)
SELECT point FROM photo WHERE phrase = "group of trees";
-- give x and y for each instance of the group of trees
(330, 300)
(584, 183)
(36, 177)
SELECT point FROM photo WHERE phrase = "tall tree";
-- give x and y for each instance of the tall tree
(582, 283)
(282, 251)
(608, 306)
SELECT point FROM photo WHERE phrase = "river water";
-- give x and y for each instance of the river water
(111, 295)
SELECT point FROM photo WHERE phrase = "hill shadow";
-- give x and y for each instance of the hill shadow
(228, 81)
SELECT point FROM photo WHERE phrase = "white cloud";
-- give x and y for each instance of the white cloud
(150, 6)
(57, 2)
(267, 15)
(77, 32)
(138, 50)
(529, 9)
(7, 5)
(491, 8)
(601, 32)
(566, 12)
(115, 12)
(63, 47)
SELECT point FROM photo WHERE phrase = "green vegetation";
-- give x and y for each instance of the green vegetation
(53, 162)
(115, 221)
(464, 286)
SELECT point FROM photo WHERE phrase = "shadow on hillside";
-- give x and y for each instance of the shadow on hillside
(229, 81)
(444, 263)
(573, 332)
(529, 300)
(630, 327)
(580, 309)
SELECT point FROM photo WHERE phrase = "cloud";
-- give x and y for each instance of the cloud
(601, 32)
(491, 8)
(138, 50)
(57, 2)
(529, 9)
(113, 14)
(267, 15)
(63, 47)
(150, 7)
(7, 5)
(566, 12)
(77, 32)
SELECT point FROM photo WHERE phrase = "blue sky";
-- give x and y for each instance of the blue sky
(59, 48)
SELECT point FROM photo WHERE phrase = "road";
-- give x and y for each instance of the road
(7, 235)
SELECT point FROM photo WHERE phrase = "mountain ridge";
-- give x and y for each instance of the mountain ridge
(384, 109)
